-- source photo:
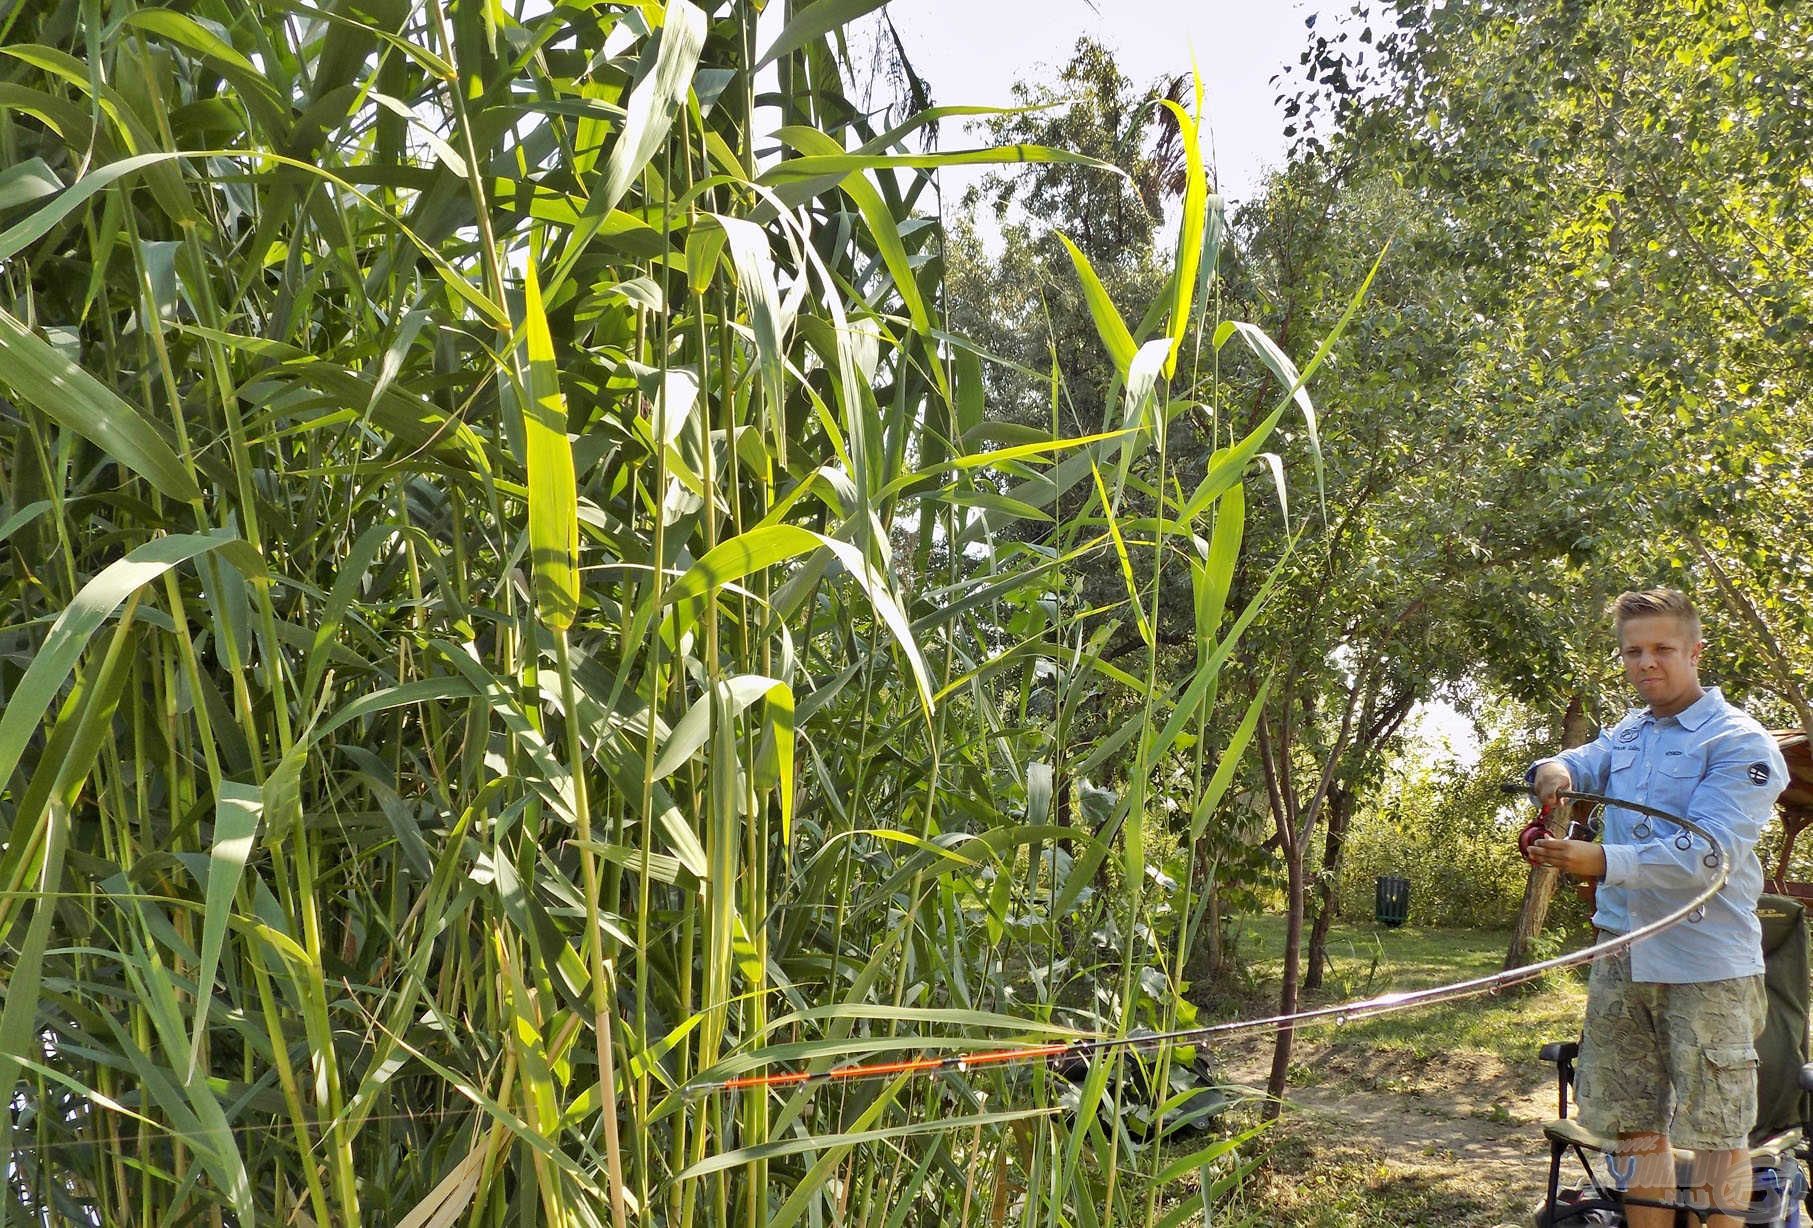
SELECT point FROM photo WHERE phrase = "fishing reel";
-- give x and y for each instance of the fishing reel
(1538, 827)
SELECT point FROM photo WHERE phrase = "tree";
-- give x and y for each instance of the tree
(1616, 181)
(1666, 228)
(1394, 593)
(1025, 303)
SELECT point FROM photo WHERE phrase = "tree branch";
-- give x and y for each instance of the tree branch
(1746, 612)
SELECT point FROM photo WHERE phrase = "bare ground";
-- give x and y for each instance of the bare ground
(1454, 1138)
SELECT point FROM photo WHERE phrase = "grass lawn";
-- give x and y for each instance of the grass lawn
(1367, 959)
(1421, 1118)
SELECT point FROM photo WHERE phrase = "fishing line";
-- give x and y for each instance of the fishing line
(1717, 859)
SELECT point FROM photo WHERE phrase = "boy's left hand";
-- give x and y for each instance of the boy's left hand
(1580, 858)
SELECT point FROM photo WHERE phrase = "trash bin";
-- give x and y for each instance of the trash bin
(1392, 901)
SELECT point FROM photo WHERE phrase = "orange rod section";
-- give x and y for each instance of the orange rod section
(793, 1078)
(885, 1068)
(773, 1080)
(1013, 1055)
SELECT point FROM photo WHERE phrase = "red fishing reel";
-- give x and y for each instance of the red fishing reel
(1536, 829)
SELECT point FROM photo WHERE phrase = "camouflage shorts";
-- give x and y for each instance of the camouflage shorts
(1678, 1060)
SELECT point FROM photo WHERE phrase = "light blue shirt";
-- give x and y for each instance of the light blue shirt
(1718, 767)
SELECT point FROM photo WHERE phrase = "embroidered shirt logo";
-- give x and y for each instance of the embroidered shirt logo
(1628, 734)
(1759, 773)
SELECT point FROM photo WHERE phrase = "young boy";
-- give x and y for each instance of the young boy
(1668, 1050)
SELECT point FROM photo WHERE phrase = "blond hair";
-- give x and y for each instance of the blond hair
(1656, 601)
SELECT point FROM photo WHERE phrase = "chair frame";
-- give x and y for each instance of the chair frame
(1777, 1152)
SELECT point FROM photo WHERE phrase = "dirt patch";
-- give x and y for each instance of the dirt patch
(1462, 1130)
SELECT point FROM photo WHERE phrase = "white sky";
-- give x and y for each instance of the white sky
(973, 50)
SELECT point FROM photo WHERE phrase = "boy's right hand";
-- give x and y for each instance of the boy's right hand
(1551, 778)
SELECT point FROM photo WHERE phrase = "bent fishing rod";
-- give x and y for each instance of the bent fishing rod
(1716, 859)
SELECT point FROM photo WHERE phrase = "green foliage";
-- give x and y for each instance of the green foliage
(1024, 303)
(513, 607)
(1617, 180)
(1453, 834)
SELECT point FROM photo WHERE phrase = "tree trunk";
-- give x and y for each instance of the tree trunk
(1540, 890)
(1287, 996)
(1211, 959)
(1208, 952)
(1214, 949)
(1340, 816)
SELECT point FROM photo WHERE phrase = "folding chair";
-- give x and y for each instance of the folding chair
(1779, 1148)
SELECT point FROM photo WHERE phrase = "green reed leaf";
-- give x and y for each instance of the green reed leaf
(38, 373)
(553, 495)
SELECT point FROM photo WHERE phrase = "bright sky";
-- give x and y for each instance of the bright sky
(973, 50)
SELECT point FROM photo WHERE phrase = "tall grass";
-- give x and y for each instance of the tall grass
(505, 617)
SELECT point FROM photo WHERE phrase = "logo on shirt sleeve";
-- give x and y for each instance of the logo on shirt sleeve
(1759, 773)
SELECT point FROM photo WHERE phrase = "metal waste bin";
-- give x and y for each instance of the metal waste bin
(1392, 900)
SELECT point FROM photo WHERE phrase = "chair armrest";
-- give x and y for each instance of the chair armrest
(1563, 1053)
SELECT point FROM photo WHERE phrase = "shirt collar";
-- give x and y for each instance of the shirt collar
(1698, 712)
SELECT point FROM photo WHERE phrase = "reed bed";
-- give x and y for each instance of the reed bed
(515, 602)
